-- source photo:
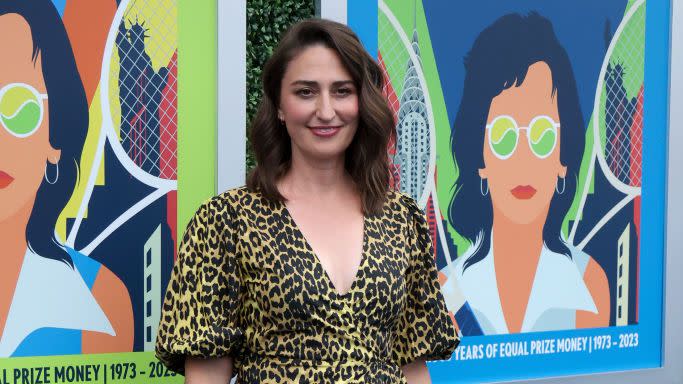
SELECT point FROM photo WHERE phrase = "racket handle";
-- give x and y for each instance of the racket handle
(467, 322)
(452, 293)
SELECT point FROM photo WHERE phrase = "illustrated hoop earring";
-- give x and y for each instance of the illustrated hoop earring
(557, 185)
(47, 179)
(483, 182)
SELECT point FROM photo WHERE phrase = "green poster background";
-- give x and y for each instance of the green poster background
(197, 79)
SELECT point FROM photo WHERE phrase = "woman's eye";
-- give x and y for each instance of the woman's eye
(305, 92)
(344, 91)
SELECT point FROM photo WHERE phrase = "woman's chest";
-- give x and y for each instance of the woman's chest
(283, 281)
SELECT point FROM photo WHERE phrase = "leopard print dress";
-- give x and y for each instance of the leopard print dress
(247, 284)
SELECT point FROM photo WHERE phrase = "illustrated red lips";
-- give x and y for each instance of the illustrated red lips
(325, 131)
(5, 180)
(523, 192)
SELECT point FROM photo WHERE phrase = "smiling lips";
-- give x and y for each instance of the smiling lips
(325, 131)
(523, 192)
(5, 180)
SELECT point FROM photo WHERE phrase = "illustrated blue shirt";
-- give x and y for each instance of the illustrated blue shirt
(51, 306)
(558, 291)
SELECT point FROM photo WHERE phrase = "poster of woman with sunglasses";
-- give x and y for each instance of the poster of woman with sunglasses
(88, 124)
(54, 299)
(520, 131)
(518, 138)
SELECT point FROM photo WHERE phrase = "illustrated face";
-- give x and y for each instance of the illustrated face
(319, 104)
(522, 147)
(24, 119)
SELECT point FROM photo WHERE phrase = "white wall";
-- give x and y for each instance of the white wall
(674, 266)
(232, 94)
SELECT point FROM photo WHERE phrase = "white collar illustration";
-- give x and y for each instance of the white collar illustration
(558, 284)
(50, 294)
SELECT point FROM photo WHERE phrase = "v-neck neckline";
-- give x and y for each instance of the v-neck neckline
(316, 260)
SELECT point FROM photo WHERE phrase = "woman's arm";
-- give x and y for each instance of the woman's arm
(417, 372)
(208, 371)
(112, 296)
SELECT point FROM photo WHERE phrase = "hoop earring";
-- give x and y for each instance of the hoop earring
(56, 172)
(482, 182)
(557, 185)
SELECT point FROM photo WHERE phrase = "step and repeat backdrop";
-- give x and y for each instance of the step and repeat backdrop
(545, 121)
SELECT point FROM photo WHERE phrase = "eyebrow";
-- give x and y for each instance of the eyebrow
(310, 83)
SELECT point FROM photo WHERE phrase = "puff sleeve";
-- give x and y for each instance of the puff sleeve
(425, 330)
(200, 313)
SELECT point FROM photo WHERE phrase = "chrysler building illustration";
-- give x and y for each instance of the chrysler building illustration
(413, 144)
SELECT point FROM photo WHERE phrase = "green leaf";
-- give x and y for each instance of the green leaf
(266, 21)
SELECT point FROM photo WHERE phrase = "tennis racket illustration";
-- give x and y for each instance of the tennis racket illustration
(138, 100)
(617, 122)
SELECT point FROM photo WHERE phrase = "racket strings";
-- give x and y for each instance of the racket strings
(146, 106)
(622, 103)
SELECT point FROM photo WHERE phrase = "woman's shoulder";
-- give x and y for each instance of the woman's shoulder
(401, 201)
(236, 194)
(236, 201)
(235, 198)
(401, 209)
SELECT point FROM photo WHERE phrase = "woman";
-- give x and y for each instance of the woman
(53, 299)
(518, 138)
(315, 271)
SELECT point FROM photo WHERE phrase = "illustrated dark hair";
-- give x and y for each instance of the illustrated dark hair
(68, 117)
(500, 58)
(367, 160)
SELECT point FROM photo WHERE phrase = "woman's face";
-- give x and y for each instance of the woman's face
(522, 181)
(24, 140)
(319, 104)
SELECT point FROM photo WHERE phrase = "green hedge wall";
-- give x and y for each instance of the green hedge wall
(266, 21)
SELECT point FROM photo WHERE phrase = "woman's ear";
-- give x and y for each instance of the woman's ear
(484, 174)
(563, 172)
(53, 155)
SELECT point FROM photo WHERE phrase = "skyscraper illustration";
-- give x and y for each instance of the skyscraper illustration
(622, 289)
(413, 141)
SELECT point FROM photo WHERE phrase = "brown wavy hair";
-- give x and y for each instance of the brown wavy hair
(366, 158)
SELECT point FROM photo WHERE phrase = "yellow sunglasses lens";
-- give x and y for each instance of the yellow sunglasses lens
(543, 135)
(503, 136)
(20, 111)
